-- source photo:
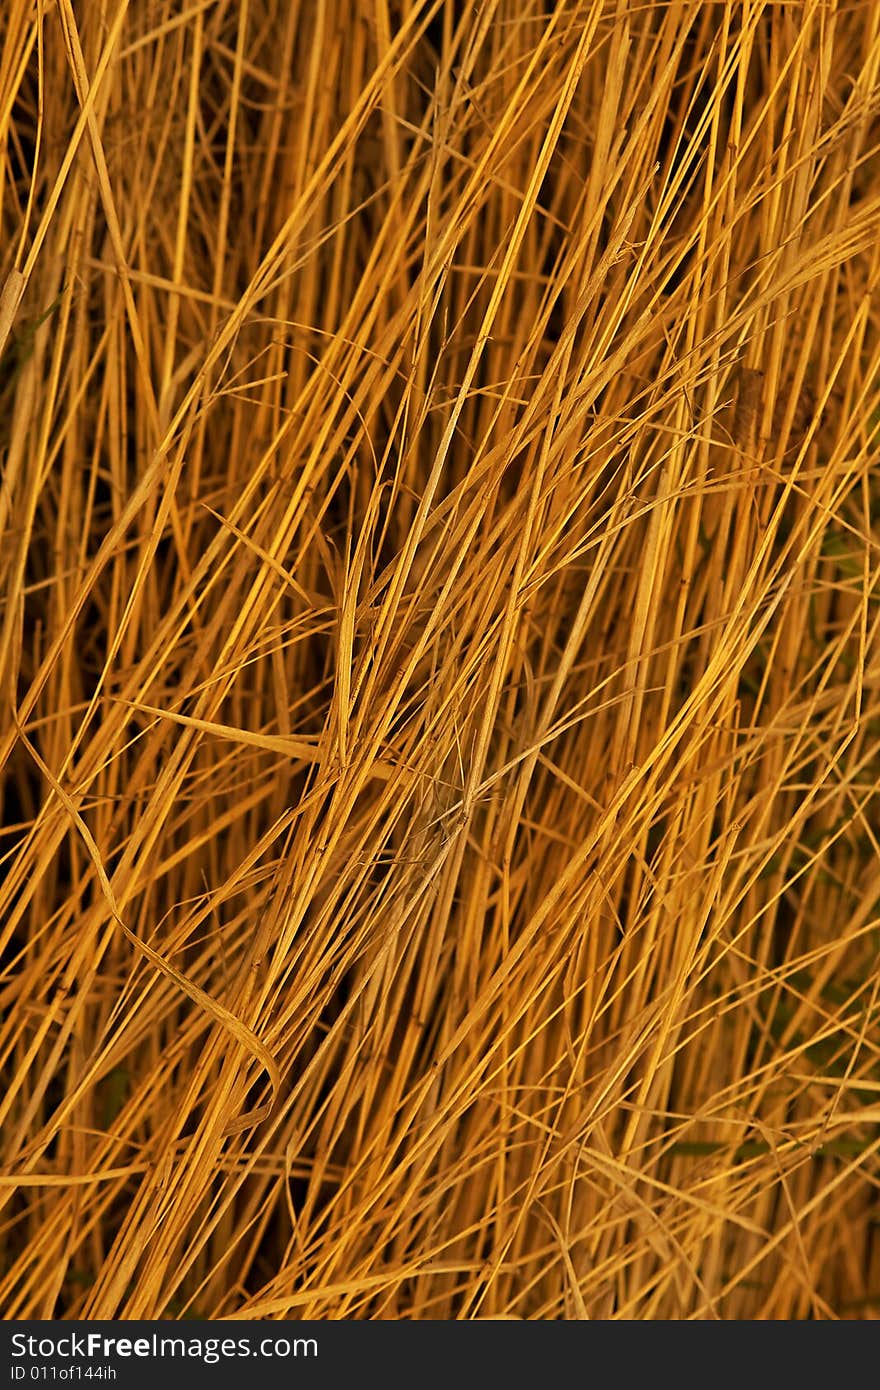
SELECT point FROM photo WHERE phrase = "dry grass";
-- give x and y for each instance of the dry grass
(441, 687)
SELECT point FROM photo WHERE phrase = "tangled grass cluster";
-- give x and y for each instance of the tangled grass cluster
(440, 728)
